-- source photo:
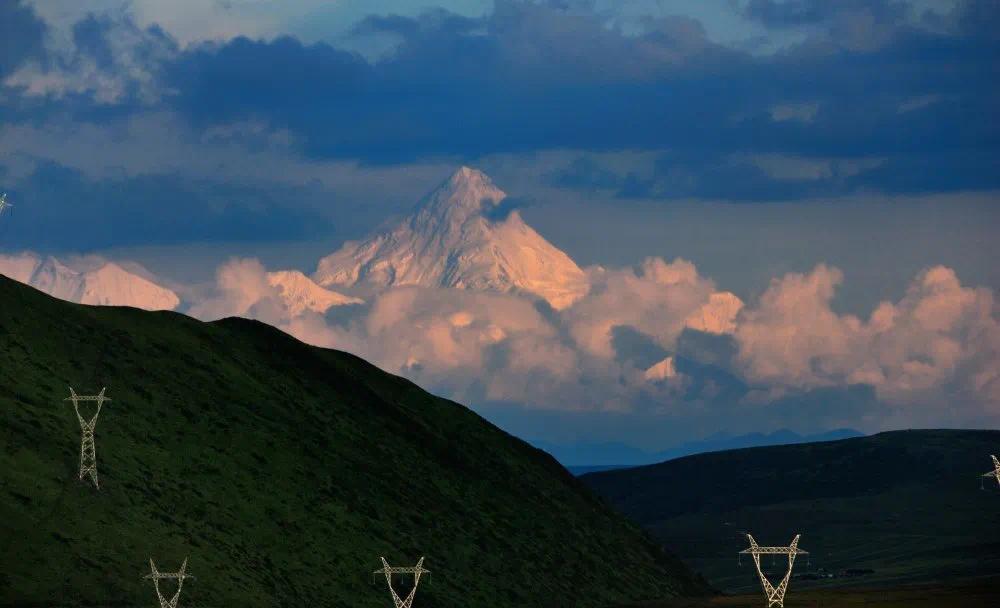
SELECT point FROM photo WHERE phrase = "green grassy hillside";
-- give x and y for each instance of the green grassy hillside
(904, 504)
(980, 594)
(282, 472)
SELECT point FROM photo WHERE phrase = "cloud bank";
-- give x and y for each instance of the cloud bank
(939, 342)
(661, 340)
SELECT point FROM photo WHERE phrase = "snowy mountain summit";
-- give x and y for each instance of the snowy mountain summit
(300, 293)
(453, 240)
(88, 282)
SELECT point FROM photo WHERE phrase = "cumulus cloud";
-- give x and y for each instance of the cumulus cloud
(484, 346)
(658, 299)
(941, 339)
(662, 339)
(496, 345)
(242, 289)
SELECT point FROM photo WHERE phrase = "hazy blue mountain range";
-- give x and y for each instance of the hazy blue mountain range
(586, 457)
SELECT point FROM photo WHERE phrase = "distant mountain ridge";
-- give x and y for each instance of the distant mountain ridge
(453, 240)
(107, 283)
(101, 282)
(899, 506)
(594, 456)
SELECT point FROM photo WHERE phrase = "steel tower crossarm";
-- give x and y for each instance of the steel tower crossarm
(775, 595)
(179, 576)
(416, 571)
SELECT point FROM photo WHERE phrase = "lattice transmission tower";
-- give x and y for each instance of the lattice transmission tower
(157, 576)
(416, 571)
(996, 469)
(88, 451)
(3, 202)
(775, 595)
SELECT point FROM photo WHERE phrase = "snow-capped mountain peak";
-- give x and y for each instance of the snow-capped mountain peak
(467, 192)
(89, 282)
(300, 293)
(452, 240)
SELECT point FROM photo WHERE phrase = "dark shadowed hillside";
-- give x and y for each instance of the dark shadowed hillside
(282, 472)
(905, 506)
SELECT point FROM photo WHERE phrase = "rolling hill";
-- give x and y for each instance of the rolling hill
(281, 472)
(904, 505)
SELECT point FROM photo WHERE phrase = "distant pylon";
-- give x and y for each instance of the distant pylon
(156, 575)
(996, 469)
(88, 451)
(416, 571)
(775, 595)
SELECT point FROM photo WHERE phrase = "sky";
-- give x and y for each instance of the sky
(833, 165)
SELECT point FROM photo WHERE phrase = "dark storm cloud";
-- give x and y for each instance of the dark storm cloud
(688, 175)
(526, 77)
(150, 210)
(785, 13)
(21, 34)
(873, 80)
(112, 69)
(533, 76)
(90, 35)
(316, 89)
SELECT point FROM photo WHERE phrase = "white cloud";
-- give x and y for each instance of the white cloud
(242, 289)
(940, 341)
(941, 338)
(659, 299)
(476, 345)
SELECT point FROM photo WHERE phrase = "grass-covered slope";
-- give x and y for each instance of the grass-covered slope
(282, 472)
(905, 504)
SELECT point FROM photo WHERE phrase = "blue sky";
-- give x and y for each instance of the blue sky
(755, 138)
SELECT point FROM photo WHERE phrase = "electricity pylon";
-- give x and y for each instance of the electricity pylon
(156, 575)
(416, 571)
(775, 595)
(996, 469)
(3, 202)
(88, 451)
